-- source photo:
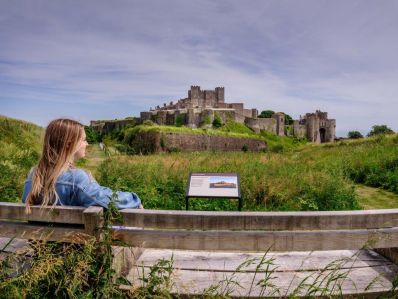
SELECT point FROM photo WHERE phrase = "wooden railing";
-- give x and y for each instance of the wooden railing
(224, 231)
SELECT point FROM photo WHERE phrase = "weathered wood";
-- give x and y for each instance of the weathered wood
(13, 244)
(196, 271)
(40, 232)
(12, 211)
(354, 282)
(58, 214)
(64, 214)
(124, 258)
(389, 253)
(200, 220)
(93, 220)
(259, 241)
(287, 261)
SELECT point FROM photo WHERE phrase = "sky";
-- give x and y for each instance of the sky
(98, 59)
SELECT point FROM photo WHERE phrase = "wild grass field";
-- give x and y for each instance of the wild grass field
(341, 176)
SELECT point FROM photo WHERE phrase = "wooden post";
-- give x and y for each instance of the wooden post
(93, 220)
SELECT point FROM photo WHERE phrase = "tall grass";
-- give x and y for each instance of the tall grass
(19, 151)
(268, 181)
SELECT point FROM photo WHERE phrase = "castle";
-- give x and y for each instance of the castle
(201, 107)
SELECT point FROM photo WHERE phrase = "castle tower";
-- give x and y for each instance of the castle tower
(220, 95)
(280, 123)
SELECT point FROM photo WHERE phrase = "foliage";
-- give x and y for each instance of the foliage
(266, 114)
(288, 120)
(217, 121)
(354, 135)
(292, 181)
(19, 152)
(148, 123)
(380, 130)
(92, 136)
(374, 163)
(180, 120)
(206, 120)
(65, 270)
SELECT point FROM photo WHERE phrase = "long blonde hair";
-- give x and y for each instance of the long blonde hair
(61, 140)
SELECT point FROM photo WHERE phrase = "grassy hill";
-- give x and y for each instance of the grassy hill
(20, 143)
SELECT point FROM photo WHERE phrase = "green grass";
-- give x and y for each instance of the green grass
(376, 198)
(20, 144)
(174, 129)
(291, 176)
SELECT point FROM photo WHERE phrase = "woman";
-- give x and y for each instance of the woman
(56, 181)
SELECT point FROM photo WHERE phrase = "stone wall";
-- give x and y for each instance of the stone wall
(298, 129)
(155, 142)
(105, 127)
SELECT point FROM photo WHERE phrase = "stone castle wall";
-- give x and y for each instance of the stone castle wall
(201, 106)
(156, 142)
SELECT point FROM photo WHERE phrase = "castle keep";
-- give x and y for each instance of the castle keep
(201, 107)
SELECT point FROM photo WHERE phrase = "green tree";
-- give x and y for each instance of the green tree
(354, 135)
(217, 122)
(380, 130)
(288, 120)
(91, 135)
(180, 120)
(266, 114)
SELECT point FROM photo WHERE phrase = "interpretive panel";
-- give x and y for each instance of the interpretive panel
(214, 185)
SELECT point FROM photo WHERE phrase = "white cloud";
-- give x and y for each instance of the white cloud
(297, 57)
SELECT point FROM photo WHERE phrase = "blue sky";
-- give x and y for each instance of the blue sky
(97, 59)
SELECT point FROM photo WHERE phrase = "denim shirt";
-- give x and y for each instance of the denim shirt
(75, 187)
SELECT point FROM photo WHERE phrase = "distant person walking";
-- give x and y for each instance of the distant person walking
(56, 181)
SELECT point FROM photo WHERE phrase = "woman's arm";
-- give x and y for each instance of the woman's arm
(90, 193)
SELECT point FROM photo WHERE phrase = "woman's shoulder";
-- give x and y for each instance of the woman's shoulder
(75, 175)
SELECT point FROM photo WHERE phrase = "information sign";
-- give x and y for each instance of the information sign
(206, 184)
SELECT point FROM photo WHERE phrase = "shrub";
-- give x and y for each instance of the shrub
(288, 120)
(148, 123)
(354, 135)
(266, 114)
(217, 121)
(180, 120)
(380, 130)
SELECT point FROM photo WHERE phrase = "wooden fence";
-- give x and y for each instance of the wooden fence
(223, 231)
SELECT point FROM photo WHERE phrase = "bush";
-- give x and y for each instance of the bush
(217, 121)
(266, 114)
(354, 135)
(180, 121)
(380, 130)
(288, 120)
(148, 123)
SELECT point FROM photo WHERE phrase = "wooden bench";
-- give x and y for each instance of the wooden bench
(207, 246)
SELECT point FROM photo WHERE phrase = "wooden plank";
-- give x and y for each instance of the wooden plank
(64, 214)
(259, 241)
(93, 220)
(13, 244)
(40, 232)
(370, 280)
(390, 253)
(200, 220)
(58, 214)
(14, 211)
(290, 261)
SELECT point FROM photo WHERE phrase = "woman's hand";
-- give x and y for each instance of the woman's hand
(141, 206)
